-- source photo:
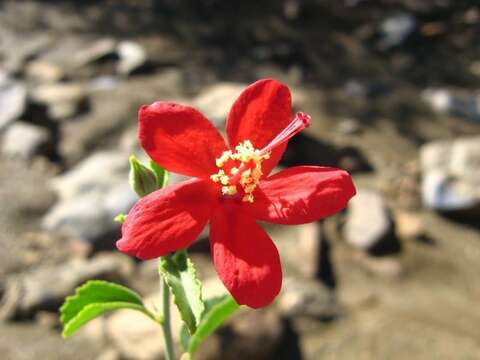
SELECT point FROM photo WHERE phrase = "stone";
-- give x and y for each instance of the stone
(109, 354)
(23, 140)
(89, 216)
(306, 297)
(82, 217)
(90, 196)
(163, 50)
(250, 334)
(409, 225)
(16, 48)
(43, 71)
(64, 100)
(396, 29)
(114, 109)
(136, 336)
(46, 287)
(299, 249)
(85, 176)
(12, 100)
(73, 51)
(368, 221)
(385, 266)
(349, 127)
(96, 51)
(132, 56)
(460, 103)
(450, 174)
(215, 101)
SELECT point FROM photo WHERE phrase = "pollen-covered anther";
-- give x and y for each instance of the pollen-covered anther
(246, 173)
(229, 190)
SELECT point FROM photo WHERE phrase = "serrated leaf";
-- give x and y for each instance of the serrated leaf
(161, 174)
(94, 298)
(209, 304)
(220, 311)
(181, 277)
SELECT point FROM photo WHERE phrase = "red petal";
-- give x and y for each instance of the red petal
(302, 194)
(259, 114)
(167, 220)
(245, 257)
(180, 138)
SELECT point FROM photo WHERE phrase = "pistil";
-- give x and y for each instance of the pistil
(240, 171)
(300, 122)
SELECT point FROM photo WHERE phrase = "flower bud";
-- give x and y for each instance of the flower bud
(120, 218)
(142, 180)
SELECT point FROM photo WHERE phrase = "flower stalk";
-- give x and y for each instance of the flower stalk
(165, 320)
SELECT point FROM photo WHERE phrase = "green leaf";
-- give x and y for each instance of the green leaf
(221, 309)
(161, 175)
(120, 218)
(94, 298)
(181, 277)
(92, 311)
(209, 304)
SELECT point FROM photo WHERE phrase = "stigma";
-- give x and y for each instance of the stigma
(240, 171)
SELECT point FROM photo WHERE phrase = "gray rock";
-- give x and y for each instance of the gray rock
(45, 288)
(89, 201)
(215, 101)
(114, 109)
(16, 48)
(304, 297)
(81, 217)
(163, 50)
(23, 140)
(349, 127)
(95, 51)
(250, 334)
(109, 354)
(71, 52)
(132, 56)
(137, 337)
(395, 30)
(451, 174)
(64, 100)
(368, 220)
(464, 104)
(97, 172)
(409, 225)
(299, 249)
(12, 100)
(43, 71)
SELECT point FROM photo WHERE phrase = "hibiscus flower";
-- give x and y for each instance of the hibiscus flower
(231, 188)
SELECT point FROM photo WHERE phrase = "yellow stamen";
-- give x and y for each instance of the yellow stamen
(251, 160)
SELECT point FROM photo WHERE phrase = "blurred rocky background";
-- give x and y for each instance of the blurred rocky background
(393, 90)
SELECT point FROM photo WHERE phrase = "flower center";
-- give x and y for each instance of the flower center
(240, 171)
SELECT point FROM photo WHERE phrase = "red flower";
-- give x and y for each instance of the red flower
(230, 188)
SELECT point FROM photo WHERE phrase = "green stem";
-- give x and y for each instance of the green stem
(167, 331)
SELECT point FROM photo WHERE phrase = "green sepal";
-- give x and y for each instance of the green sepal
(120, 218)
(142, 180)
(161, 175)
